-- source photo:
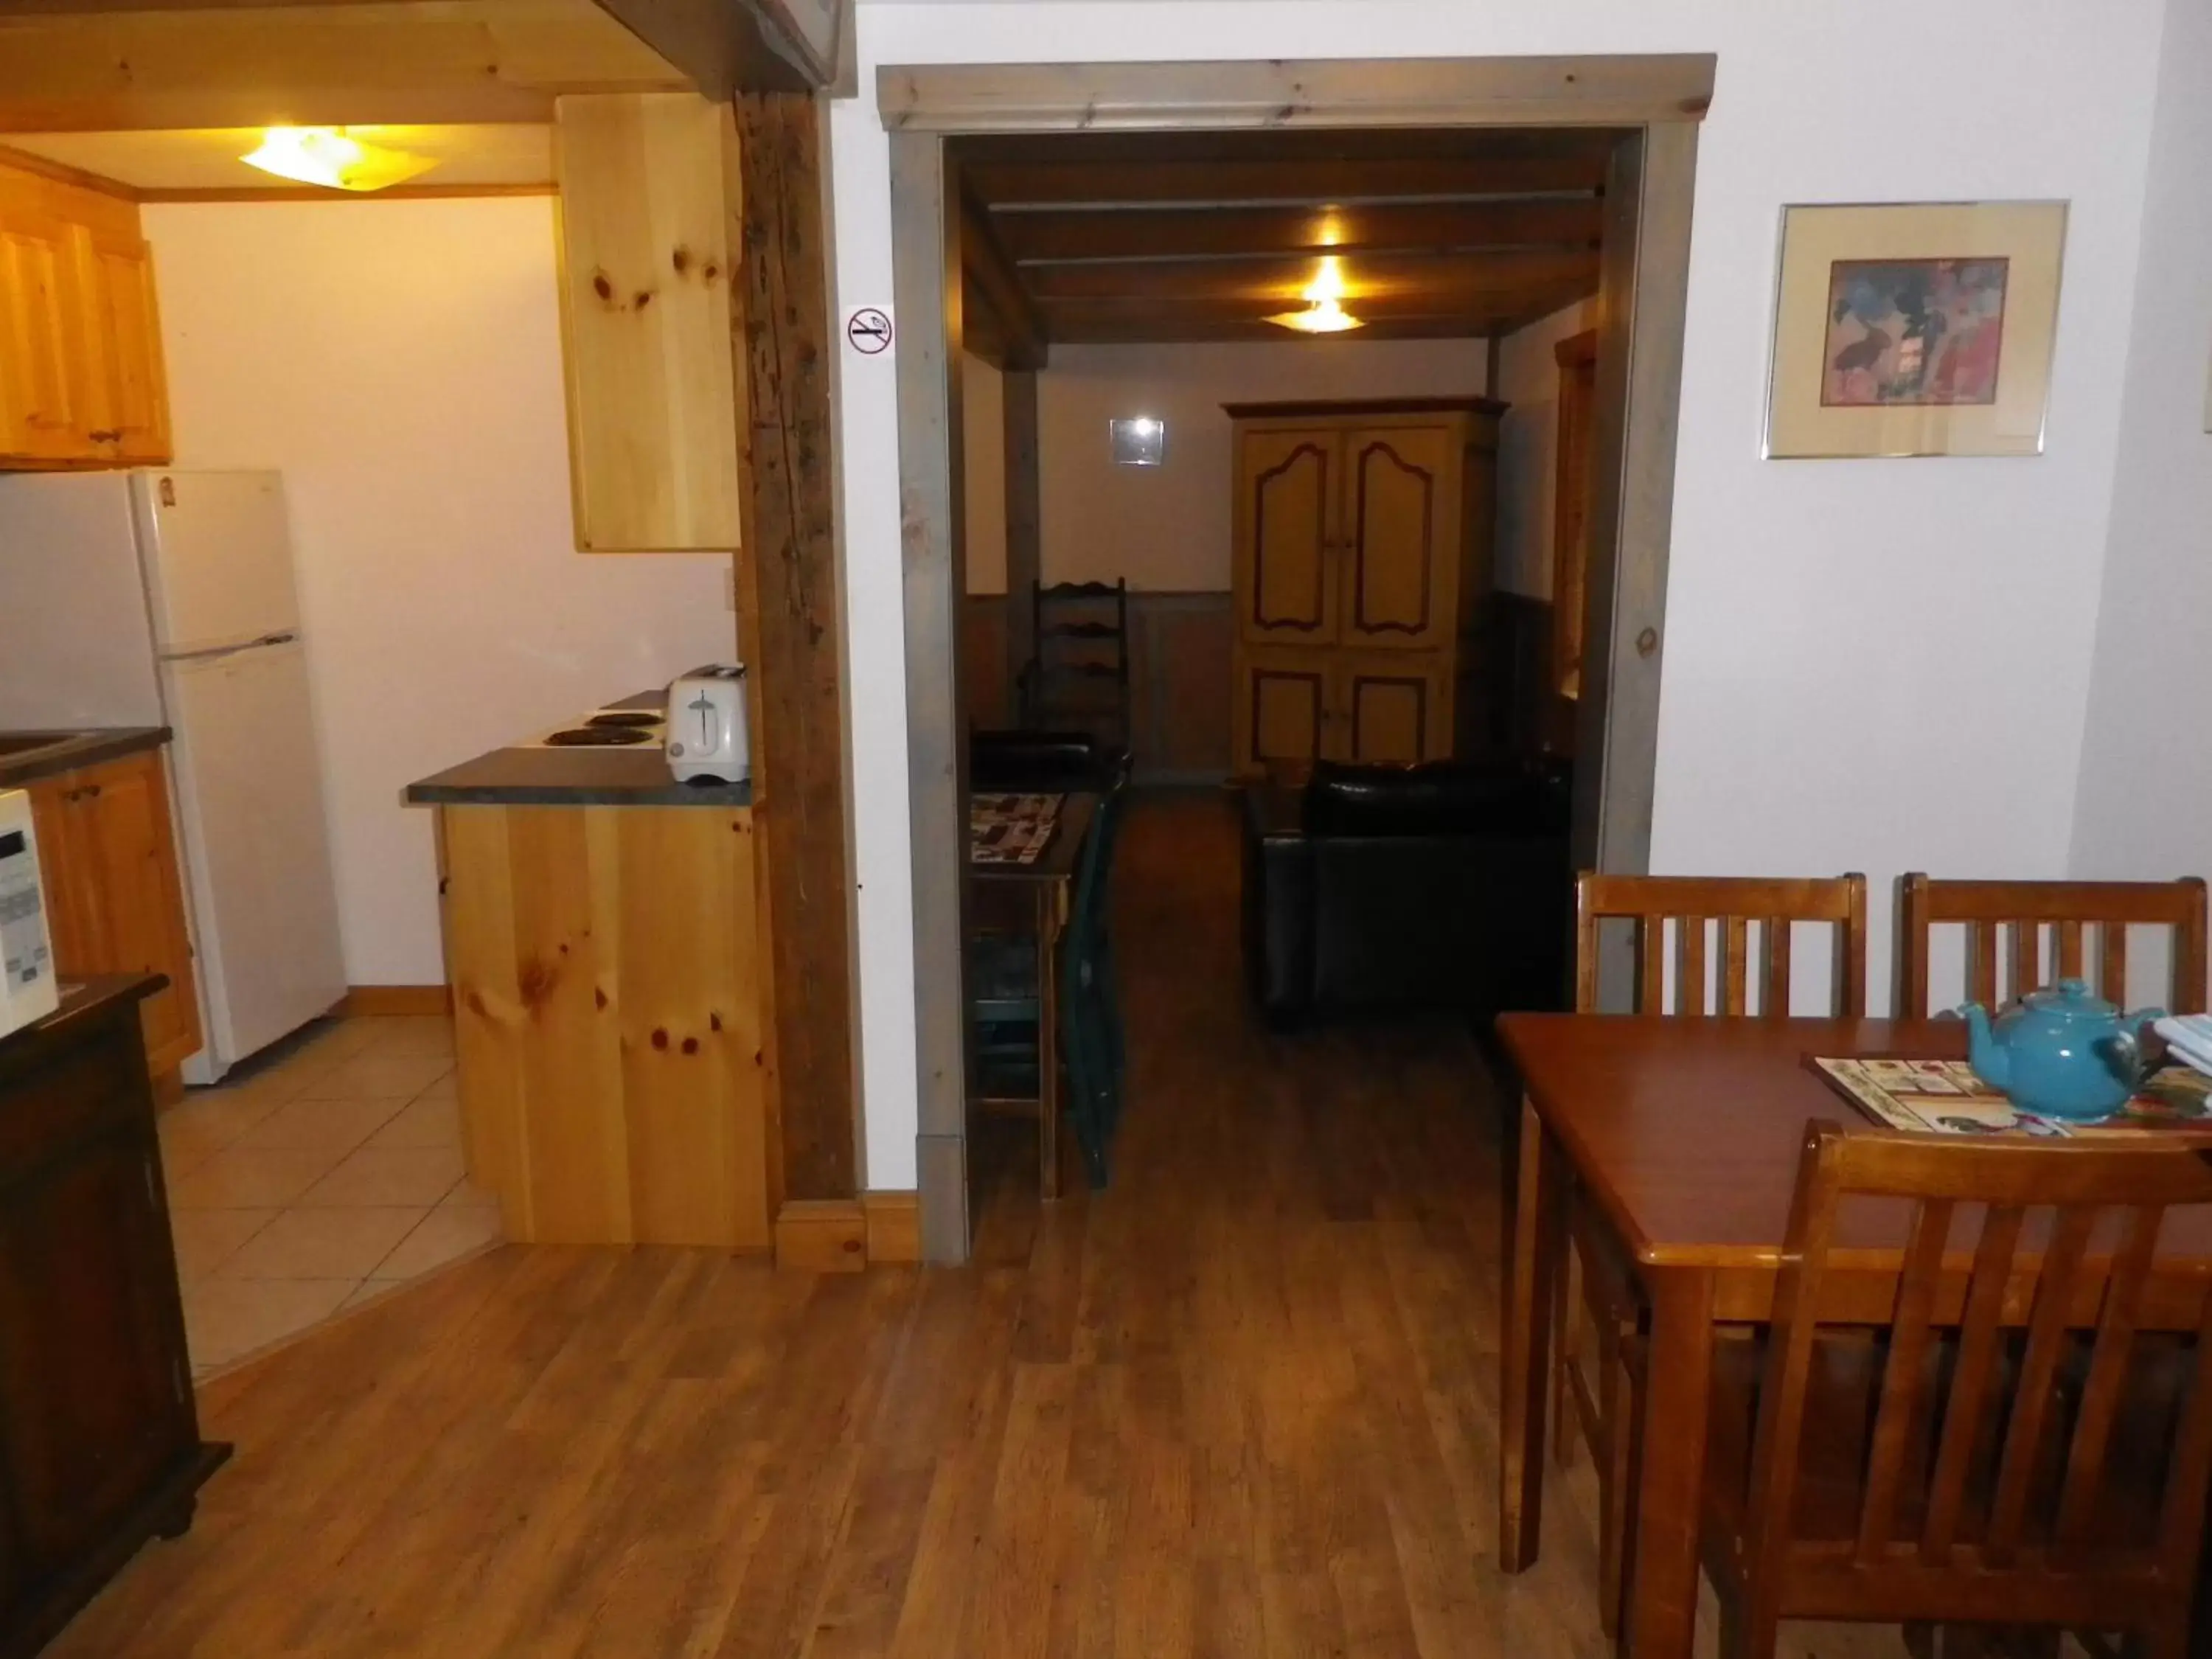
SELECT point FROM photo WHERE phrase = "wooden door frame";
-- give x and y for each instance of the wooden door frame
(1657, 99)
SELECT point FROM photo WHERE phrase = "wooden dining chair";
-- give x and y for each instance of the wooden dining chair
(1605, 1404)
(2004, 1449)
(2036, 931)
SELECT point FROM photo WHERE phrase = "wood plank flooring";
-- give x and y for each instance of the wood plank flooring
(1244, 1403)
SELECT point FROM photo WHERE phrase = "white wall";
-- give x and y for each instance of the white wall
(1869, 664)
(399, 362)
(2145, 808)
(1528, 448)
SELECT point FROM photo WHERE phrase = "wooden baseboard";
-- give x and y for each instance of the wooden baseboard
(893, 1227)
(396, 999)
(821, 1235)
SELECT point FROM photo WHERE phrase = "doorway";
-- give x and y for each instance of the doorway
(1646, 108)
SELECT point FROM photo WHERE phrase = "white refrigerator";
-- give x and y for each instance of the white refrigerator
(168, 598)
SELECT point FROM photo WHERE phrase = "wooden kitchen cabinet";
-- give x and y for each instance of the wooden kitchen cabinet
(99, 1445)
(109, 851)
(81, 380)
(1363, 543)
(649, 244)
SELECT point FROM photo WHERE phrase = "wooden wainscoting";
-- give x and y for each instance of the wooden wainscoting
(1178, 679)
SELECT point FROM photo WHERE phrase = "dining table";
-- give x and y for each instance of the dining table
(1046, 884)
(1681, 1137)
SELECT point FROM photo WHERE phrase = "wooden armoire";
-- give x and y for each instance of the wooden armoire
(1362, 548)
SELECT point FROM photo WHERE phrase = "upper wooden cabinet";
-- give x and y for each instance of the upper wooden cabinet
(648, 242)
(81, 376)
(1363, 543)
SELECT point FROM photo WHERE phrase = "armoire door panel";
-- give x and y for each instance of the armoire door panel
(1395, 712)
(1401, 565)
(1287, 484)
(1282, 710)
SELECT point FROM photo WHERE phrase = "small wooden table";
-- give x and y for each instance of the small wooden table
(1684, 1135)
(1049, 884)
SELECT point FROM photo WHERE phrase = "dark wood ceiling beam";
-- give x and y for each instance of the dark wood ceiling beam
(1018, 329)
(1182, 331)
(1209, 232)
(1479, 311)
(1047, 183)
(1271, 279)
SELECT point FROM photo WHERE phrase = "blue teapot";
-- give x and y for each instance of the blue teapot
(2059, 1052)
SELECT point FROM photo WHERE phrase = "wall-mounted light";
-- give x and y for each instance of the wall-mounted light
(1139, 440)
(331, 157)
(1324, 312)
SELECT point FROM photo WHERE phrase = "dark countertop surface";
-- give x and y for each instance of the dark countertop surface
(634, 776)
(66, 751)
(81, 1000)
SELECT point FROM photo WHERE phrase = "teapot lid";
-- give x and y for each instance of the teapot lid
(2072, 998)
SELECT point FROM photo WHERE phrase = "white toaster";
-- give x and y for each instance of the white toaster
(707, 741)
(28, 988)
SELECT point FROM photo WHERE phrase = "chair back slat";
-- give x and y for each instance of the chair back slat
(2003, 1448)
(2108, 1369)
(1727, 907)
(1690, 972)
(1903, 1375)
(2006, 923)
(1778, 931)
(1964, 1427)
(1735, 950)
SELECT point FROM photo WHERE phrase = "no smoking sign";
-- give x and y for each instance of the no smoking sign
(868, 330)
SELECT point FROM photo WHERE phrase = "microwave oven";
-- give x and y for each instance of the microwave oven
(27, 988)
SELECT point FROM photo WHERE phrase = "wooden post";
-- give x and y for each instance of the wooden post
(1023, 545)
(788, 617)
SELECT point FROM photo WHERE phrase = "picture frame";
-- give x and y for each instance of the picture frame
(1908, 329)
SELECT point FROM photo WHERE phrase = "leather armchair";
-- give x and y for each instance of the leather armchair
(1036, 761)
(1446, 885)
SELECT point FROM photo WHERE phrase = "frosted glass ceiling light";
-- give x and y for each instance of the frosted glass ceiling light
(329, 157)
(1324, 312)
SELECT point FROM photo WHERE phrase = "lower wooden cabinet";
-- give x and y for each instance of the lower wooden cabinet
(100, 1444)
(109, 850)
(1326, 704)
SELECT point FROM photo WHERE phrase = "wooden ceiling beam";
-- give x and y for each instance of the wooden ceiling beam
(1048, 183)
(988, 275)
(431, 62)
(1377, 276)
(1479, 310)
(1181, 330)
(1203, 233)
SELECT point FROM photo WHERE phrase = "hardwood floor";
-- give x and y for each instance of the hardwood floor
(1243, 1403)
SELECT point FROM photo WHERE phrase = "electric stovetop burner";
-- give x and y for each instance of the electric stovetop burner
(625, 717)
(597, 737)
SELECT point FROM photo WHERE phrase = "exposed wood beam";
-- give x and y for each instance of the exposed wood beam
(723, 45)
(433, 62)
(1376, 277)
(1021, 331)
(1324, 180)
(1440, 92)
(1092, 322)
(1187, 233)
(787, 575)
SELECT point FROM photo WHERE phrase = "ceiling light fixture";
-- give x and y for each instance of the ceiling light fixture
(332, 158)
(1324, 312)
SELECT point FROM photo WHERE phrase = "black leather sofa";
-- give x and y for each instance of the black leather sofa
(1375, 888)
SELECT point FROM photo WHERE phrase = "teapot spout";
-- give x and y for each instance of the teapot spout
(1983, 1052)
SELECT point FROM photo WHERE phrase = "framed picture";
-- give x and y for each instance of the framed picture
(1919, 329)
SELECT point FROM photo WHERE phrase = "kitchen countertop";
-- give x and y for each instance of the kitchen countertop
(634, 776)
(72, 750)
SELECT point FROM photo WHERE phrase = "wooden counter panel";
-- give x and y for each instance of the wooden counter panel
(608, 1021)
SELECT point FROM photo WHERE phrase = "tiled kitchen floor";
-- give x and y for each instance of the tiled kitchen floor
(320, 1175)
